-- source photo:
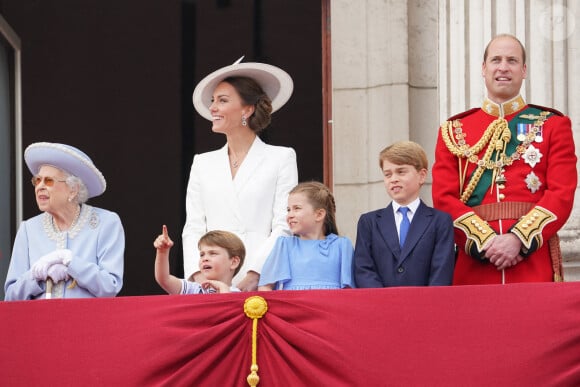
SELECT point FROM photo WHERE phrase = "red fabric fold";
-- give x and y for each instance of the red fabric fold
(516, 335)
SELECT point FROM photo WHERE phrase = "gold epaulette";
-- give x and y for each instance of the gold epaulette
(530, 226)
(475, 229)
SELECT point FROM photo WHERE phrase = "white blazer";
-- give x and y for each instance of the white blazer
(253, 205)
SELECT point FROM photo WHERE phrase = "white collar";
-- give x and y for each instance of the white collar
(411, 206)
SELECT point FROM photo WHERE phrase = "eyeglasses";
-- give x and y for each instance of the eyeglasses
(48, 181)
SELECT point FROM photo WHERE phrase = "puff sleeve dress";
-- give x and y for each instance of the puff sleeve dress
(298, 264)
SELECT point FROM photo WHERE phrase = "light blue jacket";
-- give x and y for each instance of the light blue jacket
(97, 242)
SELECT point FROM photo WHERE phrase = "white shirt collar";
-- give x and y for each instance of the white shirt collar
(411, 206)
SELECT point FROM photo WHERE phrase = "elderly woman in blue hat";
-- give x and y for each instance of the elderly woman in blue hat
(71, 250)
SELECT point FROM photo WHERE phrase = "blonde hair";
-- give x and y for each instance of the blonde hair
(405, 153)
(319, 196)
(226, 240)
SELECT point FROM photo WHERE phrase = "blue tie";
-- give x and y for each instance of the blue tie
(405, 224)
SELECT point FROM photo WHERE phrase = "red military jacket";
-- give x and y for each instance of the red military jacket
(494, 176)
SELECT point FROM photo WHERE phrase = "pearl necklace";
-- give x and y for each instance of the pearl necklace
(73, 223)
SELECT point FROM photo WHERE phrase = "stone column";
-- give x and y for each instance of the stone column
(370, 100)
(423, 93)
(570, 86)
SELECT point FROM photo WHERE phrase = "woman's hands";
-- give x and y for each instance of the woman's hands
(250, 282)
(53, 265)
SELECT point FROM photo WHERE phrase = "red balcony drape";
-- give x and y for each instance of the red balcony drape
(516, 335)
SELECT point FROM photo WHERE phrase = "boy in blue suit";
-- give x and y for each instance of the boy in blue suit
(407, 243)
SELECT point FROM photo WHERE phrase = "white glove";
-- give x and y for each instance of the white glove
(58, 272)
(40, 268)
(66, 255)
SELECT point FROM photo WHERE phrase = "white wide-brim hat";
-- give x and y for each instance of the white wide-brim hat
(68, 159)
(275, 82)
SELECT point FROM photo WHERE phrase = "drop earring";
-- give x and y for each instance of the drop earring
(244, 122)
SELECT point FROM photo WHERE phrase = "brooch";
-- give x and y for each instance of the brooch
(93, 220)
(533, 182)
(532, 155)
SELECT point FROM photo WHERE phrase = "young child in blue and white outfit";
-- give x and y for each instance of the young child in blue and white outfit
(221, 255)
(315, 257)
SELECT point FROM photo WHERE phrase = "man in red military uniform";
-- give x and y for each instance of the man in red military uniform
(506, 172)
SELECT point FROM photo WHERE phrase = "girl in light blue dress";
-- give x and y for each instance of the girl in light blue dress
(315, 257)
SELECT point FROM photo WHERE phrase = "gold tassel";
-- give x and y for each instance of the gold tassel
(255, 307)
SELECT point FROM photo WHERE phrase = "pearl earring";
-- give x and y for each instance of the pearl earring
(244, 122)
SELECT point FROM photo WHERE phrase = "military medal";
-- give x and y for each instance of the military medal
(522, 131)
(539, 137)
(532, 156)
(533, 182)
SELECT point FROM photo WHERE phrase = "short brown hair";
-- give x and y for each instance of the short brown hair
(226, 240)
(505, 36)
(405, 153)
